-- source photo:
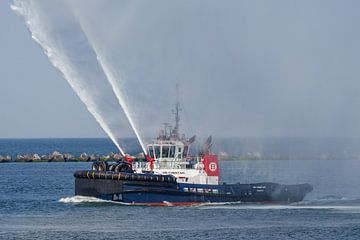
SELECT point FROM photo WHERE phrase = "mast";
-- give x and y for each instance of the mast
(176, 112)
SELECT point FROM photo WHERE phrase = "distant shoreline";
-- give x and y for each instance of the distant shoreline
(275, 148)
(232, 158)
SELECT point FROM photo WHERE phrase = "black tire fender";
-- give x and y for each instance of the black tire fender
(103, 166)
(112, 167)
(118, 167)
(95, 166)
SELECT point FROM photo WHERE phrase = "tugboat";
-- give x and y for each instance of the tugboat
(169, 175)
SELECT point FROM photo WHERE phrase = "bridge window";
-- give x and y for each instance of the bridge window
(157, 151)
(151, 151)
(185, 151)
(179, 153)
(172, 151)
(165, 151)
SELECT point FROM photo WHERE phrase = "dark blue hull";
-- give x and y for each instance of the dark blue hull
(132, 188)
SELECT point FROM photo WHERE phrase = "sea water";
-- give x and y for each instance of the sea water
(37, 202)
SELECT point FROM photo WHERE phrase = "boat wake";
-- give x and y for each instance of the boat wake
(329, 200)
(81, 199)
(84, 199)
(327, 203)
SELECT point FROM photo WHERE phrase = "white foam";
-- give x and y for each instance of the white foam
(84, 199)
(169, 204)
(81, 199)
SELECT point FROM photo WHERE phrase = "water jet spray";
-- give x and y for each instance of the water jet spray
(116, 88)
(61, 61)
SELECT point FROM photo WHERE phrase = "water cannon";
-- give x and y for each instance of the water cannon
(128, 158)
(151, 161)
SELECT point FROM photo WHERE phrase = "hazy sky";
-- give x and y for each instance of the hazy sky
(246, 68)
(35, 100)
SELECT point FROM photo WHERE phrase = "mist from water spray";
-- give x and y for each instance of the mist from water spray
(56, 55)
(115, 87)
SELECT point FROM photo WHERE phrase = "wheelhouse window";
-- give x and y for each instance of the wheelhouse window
(157, 151)
(179, 155)
(165, 151)
(151, 151)
(172, 151)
